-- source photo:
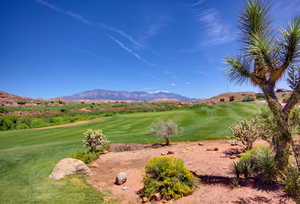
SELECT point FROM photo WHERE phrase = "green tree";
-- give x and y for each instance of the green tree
(265, 58)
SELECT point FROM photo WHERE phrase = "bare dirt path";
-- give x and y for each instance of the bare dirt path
(213, 167)
(70, 124)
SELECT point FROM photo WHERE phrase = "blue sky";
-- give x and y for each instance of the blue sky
(53, 48)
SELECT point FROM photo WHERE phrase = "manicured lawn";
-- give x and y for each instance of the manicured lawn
(28, 156)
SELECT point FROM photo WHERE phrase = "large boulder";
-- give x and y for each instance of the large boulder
(69, 166)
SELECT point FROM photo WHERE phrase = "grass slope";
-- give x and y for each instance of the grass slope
(28, 156)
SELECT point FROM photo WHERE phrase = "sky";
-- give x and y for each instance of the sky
(53, 48)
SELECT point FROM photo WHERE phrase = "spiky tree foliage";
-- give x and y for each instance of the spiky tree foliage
(265, 58)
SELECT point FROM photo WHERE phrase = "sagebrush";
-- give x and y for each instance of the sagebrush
(168, 177)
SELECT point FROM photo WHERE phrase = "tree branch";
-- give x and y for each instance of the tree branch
(293, 100)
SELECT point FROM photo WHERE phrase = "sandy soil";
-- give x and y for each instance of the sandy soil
(213, 167)
(70, 124)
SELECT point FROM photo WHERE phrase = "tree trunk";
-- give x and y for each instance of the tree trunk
(167, 141)
(281, 142)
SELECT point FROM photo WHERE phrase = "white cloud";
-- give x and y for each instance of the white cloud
(217, 32)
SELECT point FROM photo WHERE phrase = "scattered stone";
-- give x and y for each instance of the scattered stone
(124, 188)
(124, 147)
(232, 157)
(233, 142)
(144, 199)
(212, 149)
(156, 197)
(200, 144)
(163, 154)
(69, 166)
(170, 152)
(121, 178)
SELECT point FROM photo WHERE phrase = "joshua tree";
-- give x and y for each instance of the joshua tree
(265, 58)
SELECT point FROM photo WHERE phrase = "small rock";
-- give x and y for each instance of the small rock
(212, 149)
(163, 154)
(232, 157)
(121, 178)
(170, 152)
(124, 188)
(144, 199)
(156, 197)
(200, 144)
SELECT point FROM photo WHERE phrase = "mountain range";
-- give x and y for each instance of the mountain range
(101, 94)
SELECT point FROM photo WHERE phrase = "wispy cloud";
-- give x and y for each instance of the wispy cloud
(124, 47)
(130, 51)
(287, 11)
(173, 84)
(198, 3)
(103, 26)
(65, 12)
(121, 33)
(154, 28)
(217, 32)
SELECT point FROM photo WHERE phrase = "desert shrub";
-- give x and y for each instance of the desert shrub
(86, 156)
(61, 102)
(3, 110)
(248, 98)
(22, 126)
(292, 183)
(94, 140)
(57, 120)
(63, 110)
(168, 177)
(246, 132)
(257, 161)
(38, 122)
(164, 130)
(231, 98)
(260, 96)
(222, 100)
(8, 122)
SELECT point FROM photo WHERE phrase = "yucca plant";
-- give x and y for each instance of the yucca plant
(264, 60)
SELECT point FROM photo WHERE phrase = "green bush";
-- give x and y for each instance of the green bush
(95, 140)
(168, 177)
(259, 160)
(260, 96)
(86, 156)
(248, 98)
(292, 183)
(38, 122)
(3, 110)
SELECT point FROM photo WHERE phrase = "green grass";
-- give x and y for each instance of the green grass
(28, 156)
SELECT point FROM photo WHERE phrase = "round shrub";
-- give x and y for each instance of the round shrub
(168, 177)
(292, 183)
(259, 160)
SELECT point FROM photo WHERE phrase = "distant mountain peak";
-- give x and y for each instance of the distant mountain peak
(102, 94)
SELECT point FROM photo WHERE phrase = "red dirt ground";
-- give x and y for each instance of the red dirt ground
(70, 124)
(213, 167)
